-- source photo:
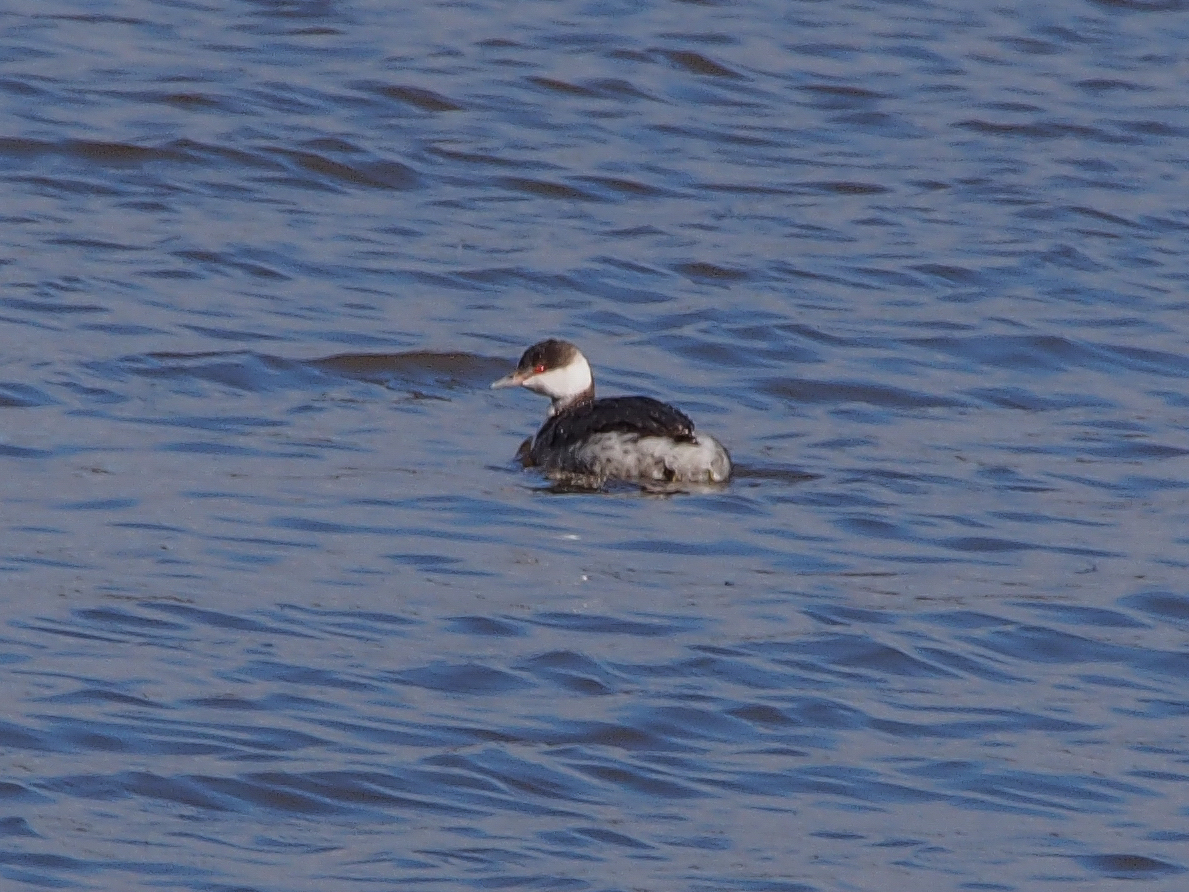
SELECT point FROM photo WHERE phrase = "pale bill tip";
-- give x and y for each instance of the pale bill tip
(507, 381)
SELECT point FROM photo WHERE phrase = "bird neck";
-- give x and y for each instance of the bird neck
(561, 403)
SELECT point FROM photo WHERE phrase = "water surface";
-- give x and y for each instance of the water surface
(280, 612)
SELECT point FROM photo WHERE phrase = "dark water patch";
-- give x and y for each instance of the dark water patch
(1151, 362)
(844, 783)
(1029, 401)
(436, 563)
(629, 266)
(1041, 131)
(248, 262)
(471, 678)
(614, 625)
(689, 723)
(99, 696)
(27, 561)
(735, 188)
(772, 473)
(842, 96)
(637, 781)
(224, 424)
(341, 792)
(53, 308)
(572, 672)
(308, 525)
(259, 541)
(623, 187)
(220, 620)
(1075, 614)
(580, 837)
(109, 154)
(723, 548)
(486, 626)
(345, 167)
(844, 615)
(272, 671)
(806, 390)
(510, 276)
(990, 545)
(221, 156)
(1068, 256)
(1144, 5)
(848, 187)
(417, 97)
(15, 395)
(966, 619)
(1055, 353)
(762, 714)
(875, 527)
(278, 793)
(616, 88)
(248, 372)
(55, 862)
(739, 671)
(12, 792)
(1029, 792)
(1041, 644)
(422, 368)
(949, 274)
(16, 827)
(989, 722)
(859, 652)
(365, 624)
(582, 737)
(1169, 607)
(702, 270)
(99, 505)
(561, 86)
(97, 244)
(696, 63)
(965, 665)
(198, 447)
(14, 736)
(1173, 664)
(537, 188)
(479, 158)
(609, 88)
(1037, 352)
(496, 769)
(134, 731)
(1045, 519)
(7, 450)
(415, 372)
(1132, 450)
(1129, 867)
(236, 336)
(902, 482)
(187, 101)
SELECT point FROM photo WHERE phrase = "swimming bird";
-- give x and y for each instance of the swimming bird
(614, 438)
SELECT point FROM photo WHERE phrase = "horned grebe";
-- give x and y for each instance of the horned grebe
(621, 438)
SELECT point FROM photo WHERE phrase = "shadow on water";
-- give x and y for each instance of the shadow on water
(261, 373)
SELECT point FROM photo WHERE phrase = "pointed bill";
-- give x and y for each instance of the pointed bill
(512, 380)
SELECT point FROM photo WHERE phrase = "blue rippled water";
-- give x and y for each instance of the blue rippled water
(278, 610)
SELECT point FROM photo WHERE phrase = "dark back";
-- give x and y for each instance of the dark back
(641, 415)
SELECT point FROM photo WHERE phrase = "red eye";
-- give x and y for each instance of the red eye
(538, 368)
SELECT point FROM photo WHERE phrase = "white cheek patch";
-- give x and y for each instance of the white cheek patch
(561, 383)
